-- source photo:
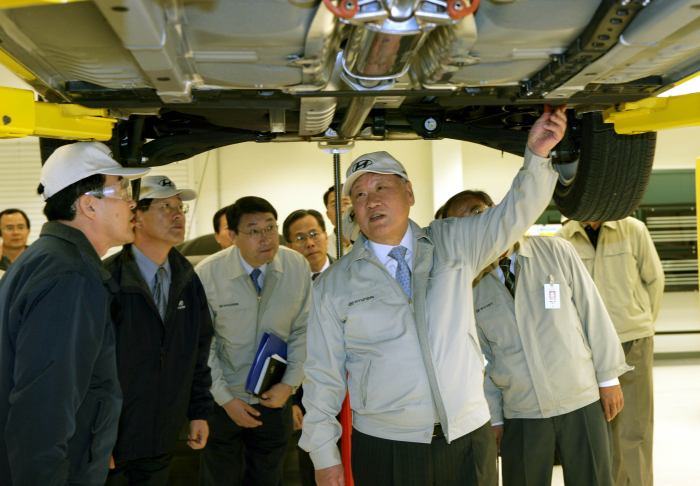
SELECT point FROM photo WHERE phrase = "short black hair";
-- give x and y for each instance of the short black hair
(247, 205)
(296, 216)
(327, 194)
(59, 207)
(15, 211)
(217, 219)
(144, 204)
(464, 195)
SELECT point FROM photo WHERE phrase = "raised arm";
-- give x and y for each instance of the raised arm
(485, 237)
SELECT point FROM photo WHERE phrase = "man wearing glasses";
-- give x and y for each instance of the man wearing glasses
(305, 232)
(163, 330)
(59, 389)
(253, 287)
(14, 231)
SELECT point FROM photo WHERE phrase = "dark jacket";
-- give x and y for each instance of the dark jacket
(59, 393)
(163, 367)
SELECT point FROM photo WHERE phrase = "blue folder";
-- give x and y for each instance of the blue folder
(269, 345)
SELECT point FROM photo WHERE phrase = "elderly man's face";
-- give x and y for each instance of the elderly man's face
(382, 203)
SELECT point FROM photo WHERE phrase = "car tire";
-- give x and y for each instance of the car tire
(610, 177)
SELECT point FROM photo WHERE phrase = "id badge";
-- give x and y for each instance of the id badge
(551, 296)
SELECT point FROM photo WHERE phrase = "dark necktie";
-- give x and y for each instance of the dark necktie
(315, 276)
(509, 277)
(254, 276)
(158, 294)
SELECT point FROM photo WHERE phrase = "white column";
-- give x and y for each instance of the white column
(447, 170)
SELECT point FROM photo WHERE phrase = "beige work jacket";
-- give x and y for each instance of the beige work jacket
(410, 360)
(627, 271)
(544, 362)
(241, 318)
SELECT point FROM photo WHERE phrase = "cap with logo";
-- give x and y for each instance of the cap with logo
(69, 164)
(376, 162)
(161, 187)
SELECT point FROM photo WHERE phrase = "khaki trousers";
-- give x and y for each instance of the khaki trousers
(633, 427)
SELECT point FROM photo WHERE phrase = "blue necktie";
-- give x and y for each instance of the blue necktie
(254, 275)
(403, 273)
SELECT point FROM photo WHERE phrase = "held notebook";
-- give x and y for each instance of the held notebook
(270, 345)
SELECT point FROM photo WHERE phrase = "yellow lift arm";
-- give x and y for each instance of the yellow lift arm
(21, 116)
(653, 114)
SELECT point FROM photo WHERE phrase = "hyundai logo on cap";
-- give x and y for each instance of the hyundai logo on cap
(362, 164)
(166, 183)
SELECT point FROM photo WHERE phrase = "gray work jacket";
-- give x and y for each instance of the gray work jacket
(241, 318)
(627, 271)
(544, 362)
(410, 359)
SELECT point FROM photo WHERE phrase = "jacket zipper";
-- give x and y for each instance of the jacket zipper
(93, 433)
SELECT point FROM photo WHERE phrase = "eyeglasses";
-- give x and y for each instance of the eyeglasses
(256, 233)
(301, 239)
(120, 190)
(10, 227)
(169, 208)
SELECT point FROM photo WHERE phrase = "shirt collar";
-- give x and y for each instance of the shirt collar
(249, 269)
(382, 251)
(327, 264)
(148, 267)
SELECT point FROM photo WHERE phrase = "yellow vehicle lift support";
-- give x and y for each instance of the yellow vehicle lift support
(653, 114)
(21, 116)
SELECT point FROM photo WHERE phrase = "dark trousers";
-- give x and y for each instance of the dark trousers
(151, 471)
(583, 439)
(249, 457)
(470, 460)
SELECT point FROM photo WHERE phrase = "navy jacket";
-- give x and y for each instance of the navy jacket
(59, 393)
(163, 364)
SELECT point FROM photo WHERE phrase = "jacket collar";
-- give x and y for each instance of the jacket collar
(180, 268)
(233, 262)
(577, 227)
(359, 252)
(77, 238)
(522, 249)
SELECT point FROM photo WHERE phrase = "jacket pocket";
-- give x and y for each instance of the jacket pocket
(585, 343)
(358, 382)
(364, 384)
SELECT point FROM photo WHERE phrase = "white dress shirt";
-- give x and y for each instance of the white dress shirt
(249, 270)
(382, 252)
(327, 264)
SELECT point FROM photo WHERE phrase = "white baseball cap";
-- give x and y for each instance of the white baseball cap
(161, 187)
(376, 162)
(77, 161)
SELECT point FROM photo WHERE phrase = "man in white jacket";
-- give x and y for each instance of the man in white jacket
(393, 314)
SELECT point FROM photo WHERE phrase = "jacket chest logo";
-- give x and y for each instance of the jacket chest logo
(360, 300)
(484, 307)
(181, 305)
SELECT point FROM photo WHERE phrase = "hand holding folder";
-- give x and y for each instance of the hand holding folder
(269, 365)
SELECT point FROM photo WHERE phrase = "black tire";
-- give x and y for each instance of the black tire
(611, 176)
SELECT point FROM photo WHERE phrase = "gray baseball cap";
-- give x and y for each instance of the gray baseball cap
(376, 162)
(161, 187)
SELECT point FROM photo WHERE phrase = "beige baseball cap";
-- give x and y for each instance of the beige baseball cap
(72, 163)
(161, 187)
(376, 162)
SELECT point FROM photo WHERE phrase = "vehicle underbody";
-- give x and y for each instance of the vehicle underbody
(187, 76)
